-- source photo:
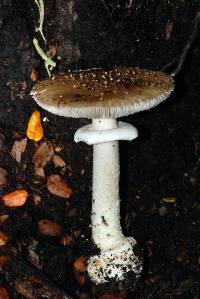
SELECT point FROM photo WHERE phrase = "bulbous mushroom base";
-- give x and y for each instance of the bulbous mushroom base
(118, 268)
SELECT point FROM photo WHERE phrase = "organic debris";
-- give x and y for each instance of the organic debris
(57, 186)
(18, 149)
(35, 129)
(44, 153)
(15, 199)
(49, 228)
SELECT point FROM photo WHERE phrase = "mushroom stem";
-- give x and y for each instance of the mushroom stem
(117, 258)
(106, 228)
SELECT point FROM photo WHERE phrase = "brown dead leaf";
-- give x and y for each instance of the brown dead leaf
(3, 218)
(49, 228)
(59, 162)
(42, 156)
(79, 267)
(3, 179)
(57, 186)
(3, 293)
(18, 149)
(34, 75)
(36, 287)
(3, 239)
(80, 264)
(3, 261)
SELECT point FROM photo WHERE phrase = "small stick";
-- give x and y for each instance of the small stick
(185, 49)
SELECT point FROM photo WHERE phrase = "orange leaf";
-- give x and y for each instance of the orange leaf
(15, 199)
(57, 186)
(79, 264)
(34, 75)
(35, 129)
(3, 293)
(3, 238)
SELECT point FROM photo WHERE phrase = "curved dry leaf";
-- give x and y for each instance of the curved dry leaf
(3, 240)
(59, 162)
(57, 186)
(49, 228)
(18, 148)
(3, 218)
(42, 156)
(15, 199)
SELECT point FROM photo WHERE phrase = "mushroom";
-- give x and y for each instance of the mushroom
(103, 96)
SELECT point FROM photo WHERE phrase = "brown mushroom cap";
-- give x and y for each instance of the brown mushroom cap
(98, 93)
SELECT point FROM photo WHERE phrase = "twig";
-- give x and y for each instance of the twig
(185, 49)
(40, 5)
(49, 63)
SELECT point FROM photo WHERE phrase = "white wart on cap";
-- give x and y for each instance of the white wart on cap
(103, 94)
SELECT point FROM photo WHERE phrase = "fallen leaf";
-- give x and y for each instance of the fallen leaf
(3, 179)
(49, 228)
(3, 261)
(169, 199)
(3, 240)
(80, 264)
(57, 186)
(18, 148)
(35, 129)
(3, 293)
(34, 75)
(15, 199)
(59, 162)
(42, 156)
(35, 287)
(3, 218)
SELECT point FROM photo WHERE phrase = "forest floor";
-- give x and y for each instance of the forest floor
(160, 190)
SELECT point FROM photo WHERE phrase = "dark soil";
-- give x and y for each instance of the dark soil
(162, 163)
